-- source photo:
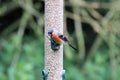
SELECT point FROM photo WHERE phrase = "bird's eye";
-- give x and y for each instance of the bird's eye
(49, 33)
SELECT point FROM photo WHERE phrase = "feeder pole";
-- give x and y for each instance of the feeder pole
(53, 59)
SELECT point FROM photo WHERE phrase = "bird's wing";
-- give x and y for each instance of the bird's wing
(66, 40)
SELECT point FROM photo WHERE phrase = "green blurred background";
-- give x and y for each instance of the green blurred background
(93, 26)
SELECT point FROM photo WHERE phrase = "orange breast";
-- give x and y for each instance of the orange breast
(56, 38)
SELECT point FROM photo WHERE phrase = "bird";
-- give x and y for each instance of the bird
(57, 39)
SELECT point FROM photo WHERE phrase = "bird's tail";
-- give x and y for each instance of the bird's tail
(73, 47)
(66, 40)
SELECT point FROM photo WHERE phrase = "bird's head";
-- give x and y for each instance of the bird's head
(52, 31)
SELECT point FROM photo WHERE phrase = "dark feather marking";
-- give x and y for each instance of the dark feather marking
(66, 40)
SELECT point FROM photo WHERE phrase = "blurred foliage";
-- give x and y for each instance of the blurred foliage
(91, 25)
